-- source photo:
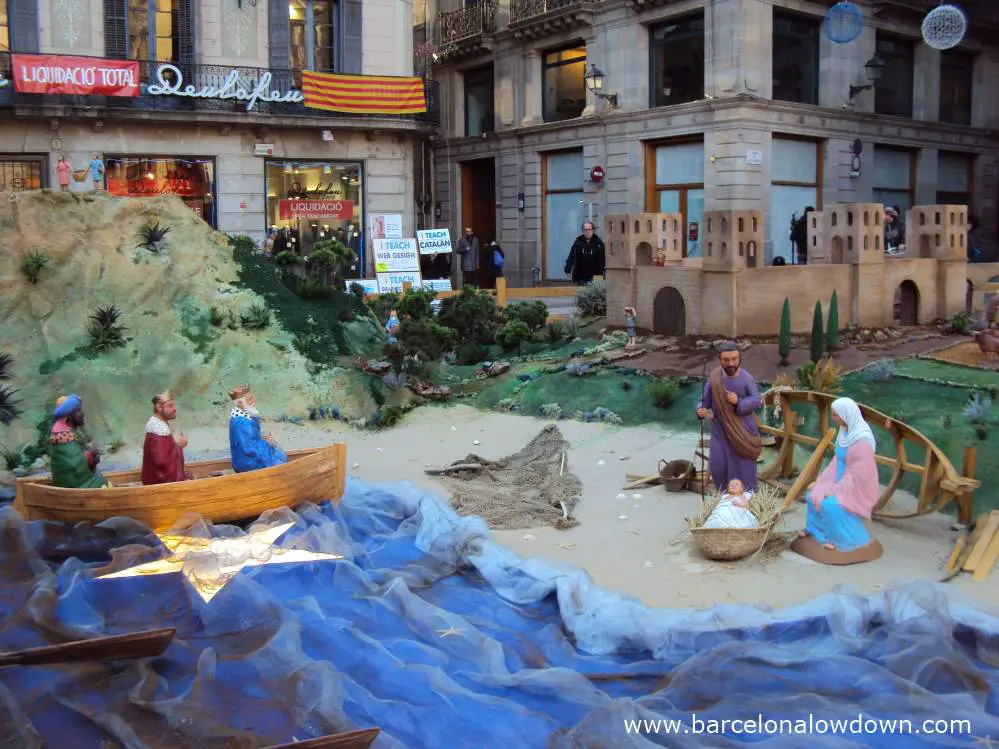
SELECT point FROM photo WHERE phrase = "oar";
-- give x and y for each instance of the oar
(115, 647)
(350, 740)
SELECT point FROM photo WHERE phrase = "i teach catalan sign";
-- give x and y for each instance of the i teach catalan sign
(79, 76)
(433, 241)
(396, 255)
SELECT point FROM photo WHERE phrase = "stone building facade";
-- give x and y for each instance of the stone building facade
(740, 105)
(236, 164)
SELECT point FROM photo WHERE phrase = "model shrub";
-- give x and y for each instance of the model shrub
(784, 344)
(977, 410)
(533, 314)
(832, 327)
(663, 391)
(472, 314)
(104, 329)
(257, 317)
(818, 344)
(287, 257)
(8, 406)
(513, 334)
(415, 305)
(426, 339)
(591, 300)
(331, 258)
(880, 370)
(242, 243)
(33, 265)
(827, 378)
(151, 236)
(556, 332)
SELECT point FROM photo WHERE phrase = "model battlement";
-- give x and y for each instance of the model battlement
(732, 240)
(643, 239)
(937, 231)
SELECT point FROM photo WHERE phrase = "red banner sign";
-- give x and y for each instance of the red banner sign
(54, 74)
(337, 209)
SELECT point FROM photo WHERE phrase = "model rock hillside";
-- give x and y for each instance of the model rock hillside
(166, 295)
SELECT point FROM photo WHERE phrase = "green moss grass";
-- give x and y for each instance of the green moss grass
(927, 369)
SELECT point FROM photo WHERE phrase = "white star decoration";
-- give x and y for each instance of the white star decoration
(209, 564)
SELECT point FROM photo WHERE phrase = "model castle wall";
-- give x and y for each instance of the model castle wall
(728, 291)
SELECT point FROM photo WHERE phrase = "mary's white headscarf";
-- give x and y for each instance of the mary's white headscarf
(856, 428)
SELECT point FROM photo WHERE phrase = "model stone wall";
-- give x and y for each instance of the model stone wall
(761, 293)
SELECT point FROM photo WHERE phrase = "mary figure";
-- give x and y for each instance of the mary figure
(841, 500)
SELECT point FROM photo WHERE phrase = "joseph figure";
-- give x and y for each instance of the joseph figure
(73, 465)
(162, 451)
(731, 397)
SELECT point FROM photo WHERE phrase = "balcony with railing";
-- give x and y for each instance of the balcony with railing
(468, 31)
(534, 19)
(192, 89)
(982, 15)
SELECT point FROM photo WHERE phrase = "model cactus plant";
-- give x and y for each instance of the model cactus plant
(832, 327)
(818, 344)
(784, 345)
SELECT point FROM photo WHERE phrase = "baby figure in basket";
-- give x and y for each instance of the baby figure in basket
(732, 510)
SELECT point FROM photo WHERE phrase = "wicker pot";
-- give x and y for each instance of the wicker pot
(729, 544)
(676, 474)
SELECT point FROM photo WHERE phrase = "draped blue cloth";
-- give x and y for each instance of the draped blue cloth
(831, 523)
(539, 657)
(249, 450)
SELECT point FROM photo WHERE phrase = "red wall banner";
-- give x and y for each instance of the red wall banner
(337, 209)
(55, 74)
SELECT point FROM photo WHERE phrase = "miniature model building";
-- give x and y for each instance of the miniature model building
(729, 292)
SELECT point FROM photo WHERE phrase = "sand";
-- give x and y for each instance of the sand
(648, 555)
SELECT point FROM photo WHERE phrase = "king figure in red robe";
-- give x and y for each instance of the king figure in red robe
(162, 452)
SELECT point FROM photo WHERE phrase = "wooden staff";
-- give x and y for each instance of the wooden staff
(115, 647)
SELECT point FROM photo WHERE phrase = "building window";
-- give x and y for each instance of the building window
(564, 90)
(159, 30)
(674, 174)
(796, 58)
(954, 178)
(796, 184)
(893, 93)
(4, 27)
(313, 34)
(19, 172)
(191, 178)
(894, 177)
(956, 83)
(677, 58)
(333, 195)
(479, 117)
(562, 219)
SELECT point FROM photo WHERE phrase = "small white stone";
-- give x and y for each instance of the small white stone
(648, 565)
(622, 496)
(454, 429)
(528, 537)
(622, 517)
(380, 449)
(355, 466)
(636, 505)
(476, 442)
(600, 463)
(636, 496)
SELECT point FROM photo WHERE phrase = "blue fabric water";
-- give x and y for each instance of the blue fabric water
(831, 524)
(442, 638)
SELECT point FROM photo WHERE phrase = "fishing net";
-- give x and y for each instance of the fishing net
(531, 488)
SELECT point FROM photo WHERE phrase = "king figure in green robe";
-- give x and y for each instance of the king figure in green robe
(73, 466)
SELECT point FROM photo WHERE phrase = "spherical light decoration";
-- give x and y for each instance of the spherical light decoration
(944, 27)
(843, 22)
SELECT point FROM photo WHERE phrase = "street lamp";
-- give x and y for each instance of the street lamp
(595, 83)
(875, 68)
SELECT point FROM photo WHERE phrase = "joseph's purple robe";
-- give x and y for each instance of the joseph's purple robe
(725, 464)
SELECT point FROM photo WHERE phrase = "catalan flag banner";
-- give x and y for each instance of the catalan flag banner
(364, 94)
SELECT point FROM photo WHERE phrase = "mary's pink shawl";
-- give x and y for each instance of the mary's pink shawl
(859, 489)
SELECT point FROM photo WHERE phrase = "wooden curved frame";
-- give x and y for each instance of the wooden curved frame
(940, 483)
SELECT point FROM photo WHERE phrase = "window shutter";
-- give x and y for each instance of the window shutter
(24, 26)
(115, 29)
(351, 37)
(186, 34)
(279, 35)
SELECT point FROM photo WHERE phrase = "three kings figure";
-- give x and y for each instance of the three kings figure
(250, 449)
(162, 451)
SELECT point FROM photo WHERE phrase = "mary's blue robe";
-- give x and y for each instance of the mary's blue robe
(250, 451)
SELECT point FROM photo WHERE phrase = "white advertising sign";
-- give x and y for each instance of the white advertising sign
(437, 284)
(391, 283)
(370, 285)
(385, 226)
(432, 241)
(396, 255)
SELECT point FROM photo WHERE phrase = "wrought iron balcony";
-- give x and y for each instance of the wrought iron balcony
(468, 26)
(538, 18)
(242, 91)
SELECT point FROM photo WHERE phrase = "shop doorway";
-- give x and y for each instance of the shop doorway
(190, 178)
(478, 208)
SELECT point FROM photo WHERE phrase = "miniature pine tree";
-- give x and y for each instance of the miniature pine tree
(832, 327)
(817, 337)
(784, 345)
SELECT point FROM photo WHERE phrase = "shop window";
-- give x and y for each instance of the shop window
(894, 177)
(479, 116)
(564, 91)
(313, 34)
(562, 212)
(190, 178)
(795, 179)
(674, 181)
(311, 201)
(796, 58)
(159, 30)
(954, 171)
(677, 56)
(893, 92)
(956, 83)
(19, 173)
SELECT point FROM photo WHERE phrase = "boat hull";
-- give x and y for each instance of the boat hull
(308, 476)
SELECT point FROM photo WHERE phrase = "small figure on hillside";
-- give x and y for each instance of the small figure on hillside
(731, 397)
(73, 465)
(629, 325)
(468, 251)
(162, 451)
(732, 510)
(63, 170)
(392, 327)
(250, 449)
(97, 172)
(586, 256)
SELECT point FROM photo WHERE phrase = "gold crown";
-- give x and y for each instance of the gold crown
(239, 392)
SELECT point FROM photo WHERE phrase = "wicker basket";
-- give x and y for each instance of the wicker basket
(729, 544)
(676, 474)
(80, 175)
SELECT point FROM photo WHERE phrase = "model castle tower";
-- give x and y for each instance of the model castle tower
(937, 231)
(733, 240)
(643, 239)
(851, 233)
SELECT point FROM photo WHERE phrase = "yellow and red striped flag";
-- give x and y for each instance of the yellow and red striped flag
(364, 94)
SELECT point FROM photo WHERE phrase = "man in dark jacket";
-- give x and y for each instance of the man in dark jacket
(468, 251)
(586, 258)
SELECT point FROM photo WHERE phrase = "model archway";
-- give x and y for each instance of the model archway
(669, 313)
(907, 303)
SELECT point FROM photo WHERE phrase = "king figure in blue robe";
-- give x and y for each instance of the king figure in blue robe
(250, 449)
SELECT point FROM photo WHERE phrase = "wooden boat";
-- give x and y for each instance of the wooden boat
(216, 493)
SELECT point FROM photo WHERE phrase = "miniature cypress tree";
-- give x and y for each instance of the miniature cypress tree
(817, 337)
(832, 327)
(784, 345)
